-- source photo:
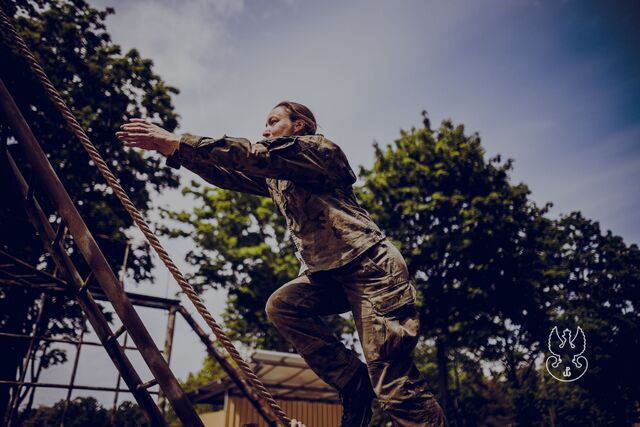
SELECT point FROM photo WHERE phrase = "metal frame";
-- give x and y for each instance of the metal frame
(52, 285)
(49, 284)
(104, 276)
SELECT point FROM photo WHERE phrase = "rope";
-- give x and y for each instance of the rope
(75, 127)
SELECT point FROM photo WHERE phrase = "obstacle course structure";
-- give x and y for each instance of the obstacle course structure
(102, 281)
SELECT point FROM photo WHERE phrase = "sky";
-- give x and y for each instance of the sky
(553, 84)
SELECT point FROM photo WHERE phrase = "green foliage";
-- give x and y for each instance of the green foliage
(103, 87)
(210, 372)
(86, 411)
(599, 279)
(495, 275)
(465, 231)
(472, 241)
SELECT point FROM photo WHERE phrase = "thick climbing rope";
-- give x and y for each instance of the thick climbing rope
(16, 40)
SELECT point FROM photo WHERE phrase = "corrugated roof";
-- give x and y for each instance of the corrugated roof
(286, 376)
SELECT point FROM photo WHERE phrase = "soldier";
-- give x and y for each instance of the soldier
(346, 262)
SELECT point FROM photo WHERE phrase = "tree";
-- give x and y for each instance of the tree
(103, 87)
(86, 411)
(472, 241)
(495, 275)
(599, 290)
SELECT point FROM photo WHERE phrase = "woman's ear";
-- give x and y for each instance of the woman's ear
(298, 126)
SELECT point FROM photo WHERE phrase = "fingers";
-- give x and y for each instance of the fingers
(137, 124)
(132, 135)
(129, 127)
(141, 134)
(136, 140)
(135, 129)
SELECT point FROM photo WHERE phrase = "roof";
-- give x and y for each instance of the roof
(286, 375)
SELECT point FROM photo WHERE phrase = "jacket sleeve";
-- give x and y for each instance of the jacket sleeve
(214, 174)
(299, 159)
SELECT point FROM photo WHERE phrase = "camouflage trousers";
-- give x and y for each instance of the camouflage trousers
(376, 287)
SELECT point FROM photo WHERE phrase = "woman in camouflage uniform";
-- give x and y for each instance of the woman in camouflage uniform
(346, 261)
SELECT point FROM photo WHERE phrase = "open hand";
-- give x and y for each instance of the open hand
(141, 134)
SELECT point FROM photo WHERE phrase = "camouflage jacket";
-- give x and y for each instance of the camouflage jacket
(309, 179)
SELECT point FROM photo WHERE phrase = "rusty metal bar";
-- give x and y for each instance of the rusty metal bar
(168, 346)
(226, 366)
(148, 384)
(136, 299)
(96, 260)
(116, 395)
(19, 262)
(121, 330)
(60, 340)
(66, 386)
(94, 314)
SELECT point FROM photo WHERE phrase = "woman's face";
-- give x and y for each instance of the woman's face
(279, 124)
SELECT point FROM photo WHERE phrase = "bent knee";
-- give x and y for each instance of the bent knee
(275, 306)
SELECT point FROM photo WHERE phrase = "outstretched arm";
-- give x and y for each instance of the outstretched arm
(306, 159)
(139, 133)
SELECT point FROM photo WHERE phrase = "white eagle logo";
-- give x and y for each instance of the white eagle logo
(567, 345)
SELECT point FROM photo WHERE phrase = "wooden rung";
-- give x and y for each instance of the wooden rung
(121, 330)
(85, 283)
(148, 384)
(59, 233)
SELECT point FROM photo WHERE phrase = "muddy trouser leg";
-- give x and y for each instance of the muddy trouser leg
(382, 298)
(295, 310)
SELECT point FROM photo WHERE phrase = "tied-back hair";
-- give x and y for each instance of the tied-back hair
(298, 111)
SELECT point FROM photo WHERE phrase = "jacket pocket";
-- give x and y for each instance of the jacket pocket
(393, 297)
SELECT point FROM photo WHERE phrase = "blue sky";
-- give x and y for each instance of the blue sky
(553, 84)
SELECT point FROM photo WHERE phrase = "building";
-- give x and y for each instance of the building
(296, 388)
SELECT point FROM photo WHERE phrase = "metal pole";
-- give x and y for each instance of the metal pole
(67, 386)
(73, 375)
(168, 346)
(116, 395)
(123, 269)
(96, 260)
(123, 272)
